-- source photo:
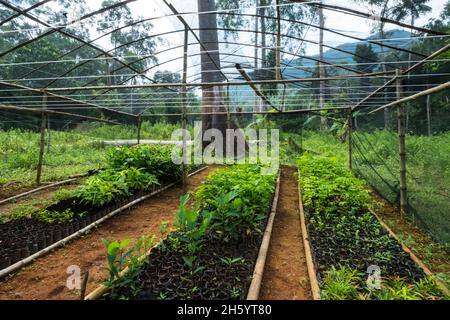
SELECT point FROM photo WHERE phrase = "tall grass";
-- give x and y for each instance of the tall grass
(158, 130)
(71, 152)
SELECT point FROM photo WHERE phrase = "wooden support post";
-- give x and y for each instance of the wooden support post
(84, 285)
(350, 130)
(184, 95)
(429, 115)
(42, 140)
(278, 51)
(139, 126)
(49, 135)
(228, 108)
(322, 75)
(402, 147)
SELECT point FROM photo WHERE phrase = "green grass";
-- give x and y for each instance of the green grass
(71, 152)
(158, 130)
(346, 284)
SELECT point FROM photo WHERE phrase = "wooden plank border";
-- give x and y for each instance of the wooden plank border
(258, 272)
(315, 289)
(413, 257)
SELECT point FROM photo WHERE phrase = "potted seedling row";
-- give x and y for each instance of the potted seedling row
(213, 250)
(131, 173)
(350, 247)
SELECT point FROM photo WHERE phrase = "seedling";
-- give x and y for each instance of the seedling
(235, 293)
(121, 255)
(229, 261)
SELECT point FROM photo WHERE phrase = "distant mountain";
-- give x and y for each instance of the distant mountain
(400, 40)
(338, 57)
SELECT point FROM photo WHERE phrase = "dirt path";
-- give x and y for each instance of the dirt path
(285, 274)
(46, 278)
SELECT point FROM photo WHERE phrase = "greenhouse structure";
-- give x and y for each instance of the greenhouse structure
(224, 150)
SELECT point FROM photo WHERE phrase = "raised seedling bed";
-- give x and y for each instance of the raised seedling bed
(133, 175)
(221, 269)
(23, 240)
(346, 238)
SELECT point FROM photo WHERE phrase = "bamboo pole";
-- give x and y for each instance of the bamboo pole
(255, 89)
(49, 135)
(350, 130)
(323, 120)
(42, 140)
(429, 115)
(21, 195)
(258, 272)
(139, 126)
(84, 285)
(368, 16)
(402, 148)
(42, 111)
(278, 58)
(314, 283)
(214, 84)
(246, 112)
(435, 89)
(184, 108)
(228, 109)
(389, 82)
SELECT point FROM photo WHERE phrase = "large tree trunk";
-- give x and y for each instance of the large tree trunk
(212, 97)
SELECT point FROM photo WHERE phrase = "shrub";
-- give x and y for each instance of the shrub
(154, 159)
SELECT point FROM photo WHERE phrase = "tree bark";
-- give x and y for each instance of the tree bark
(212, 97)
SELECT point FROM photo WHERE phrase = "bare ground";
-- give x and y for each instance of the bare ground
(285, 274)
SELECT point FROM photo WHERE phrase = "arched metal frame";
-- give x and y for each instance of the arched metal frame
(26, 13)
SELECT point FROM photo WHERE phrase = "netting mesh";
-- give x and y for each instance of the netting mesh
(376, 158)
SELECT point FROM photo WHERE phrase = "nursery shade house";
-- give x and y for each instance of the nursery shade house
(223, 149)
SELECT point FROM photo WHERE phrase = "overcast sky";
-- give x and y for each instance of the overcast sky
(345, 23)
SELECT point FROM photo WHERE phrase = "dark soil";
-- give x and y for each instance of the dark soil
(24, 237)
(167, 276)
(373, 246)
